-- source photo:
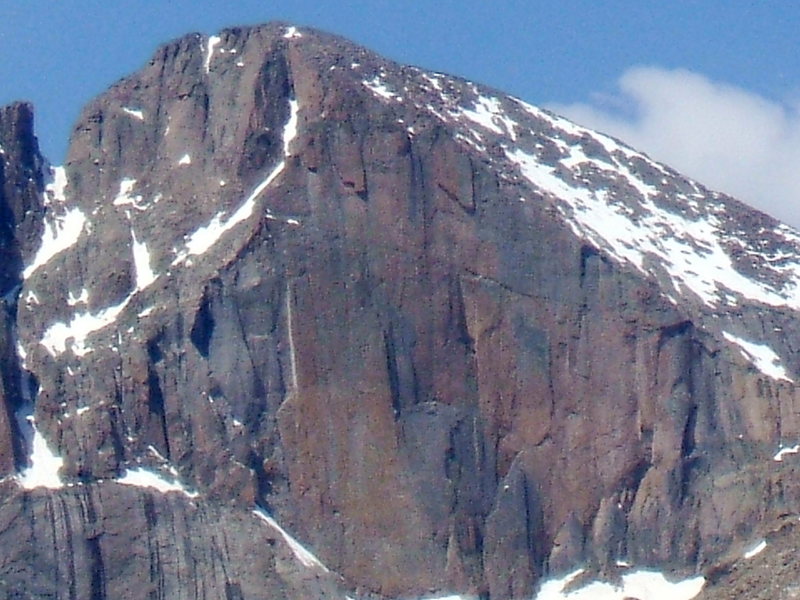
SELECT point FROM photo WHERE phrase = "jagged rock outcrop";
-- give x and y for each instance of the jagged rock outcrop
(452, 342)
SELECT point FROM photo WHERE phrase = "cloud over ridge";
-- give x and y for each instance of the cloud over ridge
(726, 137)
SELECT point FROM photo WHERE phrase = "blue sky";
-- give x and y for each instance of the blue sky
(578, 56)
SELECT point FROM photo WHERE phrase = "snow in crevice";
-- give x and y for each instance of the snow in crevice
(61, 231)
(762, 356)
(146, 478)
(213, 41)
(44, 465)
(640, 584)
(55, 188)
(302, 554)
(201, 240)
(141, 262)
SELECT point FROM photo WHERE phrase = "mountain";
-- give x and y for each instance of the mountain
(296, 321)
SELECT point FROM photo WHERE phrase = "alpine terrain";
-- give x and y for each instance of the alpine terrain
(294, 321)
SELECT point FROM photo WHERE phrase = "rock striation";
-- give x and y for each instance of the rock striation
(450, 341)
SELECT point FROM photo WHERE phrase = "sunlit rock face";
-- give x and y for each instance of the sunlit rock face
(452, 343)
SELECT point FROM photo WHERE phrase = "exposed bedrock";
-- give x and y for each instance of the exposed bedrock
(304, 293)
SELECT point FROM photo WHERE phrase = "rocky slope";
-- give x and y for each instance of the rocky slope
(449, 341)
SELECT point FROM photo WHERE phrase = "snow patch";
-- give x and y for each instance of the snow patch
(378, 87)
(125, 197)
(762, 356)
(79, 328)
(647, 236)
(58, 235)
(643, 585)
(212, 43)
(141, 262)
(31, 298)
(300, 552)
(755, 550)
(82, 298)
(45, 465)
(185, 160)
(292, 33)
(145, 478)
(54, 190)
(488, 113)
(784, 451)
(134, 112)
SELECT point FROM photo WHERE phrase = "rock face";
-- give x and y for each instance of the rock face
(21, 187)
(113, 541)
(452, 342)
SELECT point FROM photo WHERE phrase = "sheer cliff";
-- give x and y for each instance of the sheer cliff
(448, 341)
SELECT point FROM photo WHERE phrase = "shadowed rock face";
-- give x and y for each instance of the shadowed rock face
(370, 299)
(21, 187)
(113, 541)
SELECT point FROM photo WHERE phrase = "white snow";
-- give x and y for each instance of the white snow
(689, 250)
(141, 262)
(79, 328)
(757, 549)
(784, 451)
(205, 237)
(58, 235)
(23, 355)
(145, 478)
(134, 112)
(82, 298)
(683, 236)
(146, 312)
(212, 42)
(763, 357)
(378, 87)
(82, 410)
(125, 197)
(44, 463)
(300, 552)
(185, 160)
(642, 585)
(292, 33)
(54, 190)
(31, 298)
(489, 113)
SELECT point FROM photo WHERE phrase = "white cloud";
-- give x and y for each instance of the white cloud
(727, 138)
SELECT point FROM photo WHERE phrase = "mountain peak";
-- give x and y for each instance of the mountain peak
(425, 336)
